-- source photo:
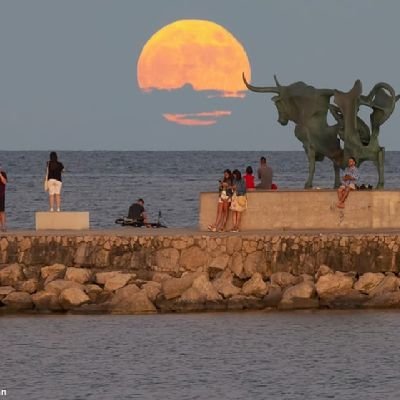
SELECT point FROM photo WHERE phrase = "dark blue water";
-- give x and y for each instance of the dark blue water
(234, 356)
(105, 183)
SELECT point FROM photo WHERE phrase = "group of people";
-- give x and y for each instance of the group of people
(232, 193)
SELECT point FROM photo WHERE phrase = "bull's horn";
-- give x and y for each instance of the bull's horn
(264, 89)
(276, 81)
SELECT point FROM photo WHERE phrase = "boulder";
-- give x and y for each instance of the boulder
(205, 288)
(30, 286)
(11, 274)
(333, 284)
(5, 290)
(241, 302)
(94, 292)
(18, 301)
(152, 290)
(101, 277)
(223, 284)
(73, 297)
(255, 286)
(368, 282)
(79, 275)
(193, 258)
(303, 290)
(283, 279)
(389, 283)
(273, 297)
(117, 281)
(323, 270)
(56, 270)
(344, 299)
(59, 285)
(384, 300)
(48, 301)
(255, 262)
(160, 277)
(174, 287)
(128, 300)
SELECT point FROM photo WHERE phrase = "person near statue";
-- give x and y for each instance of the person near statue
(264, 174)
(349, 182)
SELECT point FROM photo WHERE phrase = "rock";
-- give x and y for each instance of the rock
(59, 285)
(219, 262)
(94, 292)
(73, 297)
(5, 290)
(389, 283)
(193, 258)
(167, 260)
(255, 262)
(129, 301)
(160, 277)
(241, 302)
(206, 288)
(30, 286)
(11, 274)
(303, 290)
(117, 281)
(31, 272)
(174, 287)
(236, 262)
(323, 270)
(306, 278)
(152, 290)
(344, 299)
(18, 301)
(56, 270)
(283, 279)
(368, 282)
(192, 295)
(101, 277)
(384, 300)
(333, 284)
(224, 285)
(79, 275)
(273, 297)
(233, 244)
(299, 303)
(255, 286)
(48, 301)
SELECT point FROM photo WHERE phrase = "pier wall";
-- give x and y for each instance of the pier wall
(187, 271)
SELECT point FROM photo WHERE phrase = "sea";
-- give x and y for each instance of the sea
(310, 355)
(106, 183)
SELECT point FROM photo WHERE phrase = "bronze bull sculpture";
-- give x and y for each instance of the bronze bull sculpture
(308, 108)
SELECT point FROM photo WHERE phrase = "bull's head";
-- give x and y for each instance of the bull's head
(280, 103)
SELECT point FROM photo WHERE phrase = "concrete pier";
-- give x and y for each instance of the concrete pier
(62, 220)
(310, 209)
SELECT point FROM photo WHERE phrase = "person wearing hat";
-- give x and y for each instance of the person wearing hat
(3, 182)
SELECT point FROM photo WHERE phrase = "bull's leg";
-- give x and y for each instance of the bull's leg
(311, 168)
(380, 167)
(337, 175)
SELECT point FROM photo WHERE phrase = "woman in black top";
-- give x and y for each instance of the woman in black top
(54, 170)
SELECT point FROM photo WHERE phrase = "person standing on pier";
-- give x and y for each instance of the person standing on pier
(3, 182)
(54, 171)
(265, 174)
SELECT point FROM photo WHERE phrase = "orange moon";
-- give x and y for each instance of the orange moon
(197, 52)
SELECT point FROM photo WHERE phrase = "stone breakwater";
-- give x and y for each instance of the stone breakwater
(195, 271)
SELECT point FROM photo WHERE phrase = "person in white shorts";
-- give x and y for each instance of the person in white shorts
(55, 169)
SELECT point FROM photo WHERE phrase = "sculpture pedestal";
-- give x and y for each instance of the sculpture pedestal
(62, 220)
(310, 209)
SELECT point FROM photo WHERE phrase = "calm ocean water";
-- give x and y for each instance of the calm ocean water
(290, 355)
(107, 182)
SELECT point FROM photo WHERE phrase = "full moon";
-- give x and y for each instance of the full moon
(196, 52)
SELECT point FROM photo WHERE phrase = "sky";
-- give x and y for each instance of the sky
(68, 70)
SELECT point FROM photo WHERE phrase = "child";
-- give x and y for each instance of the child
(249, 178)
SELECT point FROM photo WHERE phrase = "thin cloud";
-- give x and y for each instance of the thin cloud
(197, 119)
